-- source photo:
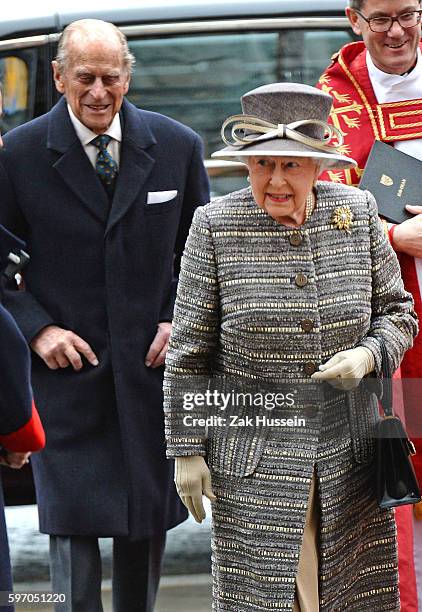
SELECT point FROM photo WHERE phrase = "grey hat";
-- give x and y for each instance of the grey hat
(286, 120)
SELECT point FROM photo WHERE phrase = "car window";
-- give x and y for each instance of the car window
(17, 74)
(199, 79)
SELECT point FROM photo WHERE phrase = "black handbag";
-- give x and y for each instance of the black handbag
(396, 483)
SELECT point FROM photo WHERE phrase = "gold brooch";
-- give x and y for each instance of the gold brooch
(343, 218)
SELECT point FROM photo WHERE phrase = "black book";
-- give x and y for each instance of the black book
(395, 179)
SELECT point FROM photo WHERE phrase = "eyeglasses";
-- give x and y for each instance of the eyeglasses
(383, 24)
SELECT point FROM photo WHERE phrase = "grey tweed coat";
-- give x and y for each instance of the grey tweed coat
(260, 302)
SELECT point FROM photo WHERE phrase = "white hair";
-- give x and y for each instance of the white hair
(85, 30)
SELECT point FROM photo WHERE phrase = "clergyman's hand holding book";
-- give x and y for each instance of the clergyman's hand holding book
(395, 179)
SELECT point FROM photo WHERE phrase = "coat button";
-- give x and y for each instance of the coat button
(311, 412)
(310, 368)
(296, 239)
(307, 325)
(301, 280)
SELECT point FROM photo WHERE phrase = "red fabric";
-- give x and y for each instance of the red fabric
(412, 362)
(357, 114)
(391, 234)
(400, 120)
(412, 368)
(407, 579)
(350, 108)
(30, 437)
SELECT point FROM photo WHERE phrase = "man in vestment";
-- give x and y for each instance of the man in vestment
(376, 87)
(103, 193)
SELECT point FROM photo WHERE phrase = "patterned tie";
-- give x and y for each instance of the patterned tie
(105, 166)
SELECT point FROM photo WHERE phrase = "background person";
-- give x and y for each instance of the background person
(262, 297)
(366, 79)
(104, 195)
(21, 431)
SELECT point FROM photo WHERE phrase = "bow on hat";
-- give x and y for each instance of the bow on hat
(258, 127)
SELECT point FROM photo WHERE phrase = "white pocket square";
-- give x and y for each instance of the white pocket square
(155, 197)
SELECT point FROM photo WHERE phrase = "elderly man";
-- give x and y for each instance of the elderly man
(370, 81)
(104, 194)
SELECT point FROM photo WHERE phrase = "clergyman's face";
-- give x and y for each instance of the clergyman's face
(393, 51)
(94, 82)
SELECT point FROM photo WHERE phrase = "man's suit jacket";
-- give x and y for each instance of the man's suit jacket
(108, 277)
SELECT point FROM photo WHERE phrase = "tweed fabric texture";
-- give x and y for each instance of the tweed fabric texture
(240, 315)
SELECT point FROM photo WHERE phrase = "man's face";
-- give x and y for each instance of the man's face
(94, 82)
(393, 51)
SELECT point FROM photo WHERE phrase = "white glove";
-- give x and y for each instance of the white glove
(346, 369)
(193, 479)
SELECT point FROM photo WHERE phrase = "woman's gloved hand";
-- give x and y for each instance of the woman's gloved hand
(346, 369)
(193, 480)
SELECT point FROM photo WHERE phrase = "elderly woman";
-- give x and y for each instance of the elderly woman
(285, 283)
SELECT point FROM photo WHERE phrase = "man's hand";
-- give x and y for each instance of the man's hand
(408, 235)
(60, 348)
(193, 480)
(157, 351)
(13, 460)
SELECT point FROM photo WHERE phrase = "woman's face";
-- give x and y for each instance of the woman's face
(280, 185)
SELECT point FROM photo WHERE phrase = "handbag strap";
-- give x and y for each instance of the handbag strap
(387, 398)
(387, 384)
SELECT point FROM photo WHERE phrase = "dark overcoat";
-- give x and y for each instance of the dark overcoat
(109, 277)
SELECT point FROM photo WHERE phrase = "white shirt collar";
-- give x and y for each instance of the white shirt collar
(85, 135)
(387, 80)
